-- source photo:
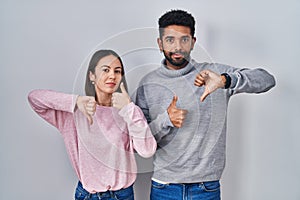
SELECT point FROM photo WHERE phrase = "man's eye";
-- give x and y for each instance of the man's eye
(185, 40)
(169, 40)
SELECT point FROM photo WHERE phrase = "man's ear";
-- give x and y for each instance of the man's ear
(193, 43)
(160, 45)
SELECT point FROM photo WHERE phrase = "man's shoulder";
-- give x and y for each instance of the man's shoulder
(150, 76)
(201, 64)
(210, 65)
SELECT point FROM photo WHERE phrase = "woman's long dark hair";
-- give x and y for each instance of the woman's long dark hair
(89, 87)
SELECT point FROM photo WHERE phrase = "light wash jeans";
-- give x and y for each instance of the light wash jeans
(196, 191)
(123, 194)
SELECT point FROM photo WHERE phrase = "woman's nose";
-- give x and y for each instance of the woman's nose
(112, 75)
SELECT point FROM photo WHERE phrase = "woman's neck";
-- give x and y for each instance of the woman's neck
(104, 99)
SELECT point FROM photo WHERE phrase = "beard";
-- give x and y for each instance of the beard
(177, 62)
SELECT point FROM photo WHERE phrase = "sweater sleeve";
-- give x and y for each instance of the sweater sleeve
(244, 80)
(161, 125)
(54, 107)
(142, 138)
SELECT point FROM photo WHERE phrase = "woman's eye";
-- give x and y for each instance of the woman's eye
(118, 71)
(106, 70)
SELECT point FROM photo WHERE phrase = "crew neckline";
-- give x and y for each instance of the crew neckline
(176, 73)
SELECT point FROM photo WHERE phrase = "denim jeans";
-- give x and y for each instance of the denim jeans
(196, 191)
(122, 194)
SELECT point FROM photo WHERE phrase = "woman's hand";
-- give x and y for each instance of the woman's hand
(87, 105)
(119, 100)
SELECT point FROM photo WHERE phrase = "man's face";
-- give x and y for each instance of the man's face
(176, 44)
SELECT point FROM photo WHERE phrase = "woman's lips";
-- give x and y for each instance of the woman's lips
(111, 84)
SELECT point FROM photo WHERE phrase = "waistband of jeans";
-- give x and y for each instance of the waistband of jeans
(169, 183)
(108, 191)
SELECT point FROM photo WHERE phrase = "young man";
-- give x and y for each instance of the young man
(185, 103)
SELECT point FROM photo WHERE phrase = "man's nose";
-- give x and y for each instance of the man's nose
(177, 45)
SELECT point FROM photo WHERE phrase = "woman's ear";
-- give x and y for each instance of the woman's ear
(92, 76)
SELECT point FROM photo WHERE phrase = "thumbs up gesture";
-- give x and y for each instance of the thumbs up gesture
(119, 100)
(176, 115)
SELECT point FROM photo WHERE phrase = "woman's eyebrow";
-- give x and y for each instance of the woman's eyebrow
(107, 66)
(102, 66)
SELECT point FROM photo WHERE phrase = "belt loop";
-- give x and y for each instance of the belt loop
(184, 191)
(200, 184)
(112, 194)
(88, 196)
(99, 195)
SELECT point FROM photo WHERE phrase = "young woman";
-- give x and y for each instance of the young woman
(101, 131)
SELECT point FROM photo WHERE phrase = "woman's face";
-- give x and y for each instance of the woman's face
(108, 74)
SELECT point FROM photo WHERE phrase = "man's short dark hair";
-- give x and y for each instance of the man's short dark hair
(176, 17)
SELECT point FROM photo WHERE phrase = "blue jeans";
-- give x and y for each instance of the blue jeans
(196, 191)
(122, 194)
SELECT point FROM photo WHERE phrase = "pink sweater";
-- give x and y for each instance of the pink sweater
(102, 154)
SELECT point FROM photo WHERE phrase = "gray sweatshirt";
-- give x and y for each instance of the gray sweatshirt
(196, 151)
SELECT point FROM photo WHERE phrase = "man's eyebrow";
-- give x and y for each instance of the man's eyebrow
(184, 36)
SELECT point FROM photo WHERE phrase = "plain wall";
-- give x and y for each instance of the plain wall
(46, 44)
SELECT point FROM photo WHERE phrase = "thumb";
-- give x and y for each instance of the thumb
(205, 94)
(174, 101)
(205, 74)
(89, 117)
(92, 99)
(123, 90)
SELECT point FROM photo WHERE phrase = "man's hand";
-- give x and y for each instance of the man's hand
(176, 115)
(119, 100)
(87, 105)
(210, 80)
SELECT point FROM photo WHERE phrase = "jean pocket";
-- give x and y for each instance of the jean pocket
(80, 194)
(211, 186)
(158, 185)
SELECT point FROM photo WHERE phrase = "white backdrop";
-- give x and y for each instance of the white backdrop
(45, 44)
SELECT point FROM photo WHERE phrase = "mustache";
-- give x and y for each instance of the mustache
(178, 52)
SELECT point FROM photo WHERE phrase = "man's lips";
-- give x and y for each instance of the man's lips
(177, 55)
